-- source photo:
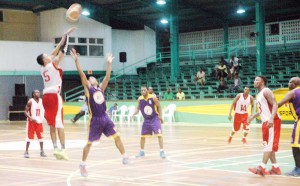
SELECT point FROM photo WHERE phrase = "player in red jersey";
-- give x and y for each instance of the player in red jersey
(34, 111)
(271, 125)
(241, 103)
(52, 101)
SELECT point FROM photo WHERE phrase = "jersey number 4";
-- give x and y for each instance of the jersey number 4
(243, 108)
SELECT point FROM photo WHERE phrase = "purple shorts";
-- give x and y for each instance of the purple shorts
(151, 126)
(99, 125)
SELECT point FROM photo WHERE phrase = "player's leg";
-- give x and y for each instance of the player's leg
(30, 136)
(235, 127)
(296, 171)
(82, 165)
(146, 130)
(156, 127)
(39, 134)
(267, 136)
(245, 128)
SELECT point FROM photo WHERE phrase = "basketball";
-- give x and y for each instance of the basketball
(73, 13)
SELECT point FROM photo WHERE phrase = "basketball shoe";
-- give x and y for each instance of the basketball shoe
(259, 170)
(83, 170)
(274, 171)
(229, 139)
(140, 154)
(162, 154)
(295, 172)
(244, 141)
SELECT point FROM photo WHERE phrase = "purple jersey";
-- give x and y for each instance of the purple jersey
(96, 101)
(295, 106)
(147, 107)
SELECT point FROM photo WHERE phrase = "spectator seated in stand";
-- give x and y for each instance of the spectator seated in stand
(180, 95)
(168, 95)
(237, 82)
(222, 85)
(200, 77)
(222, 70)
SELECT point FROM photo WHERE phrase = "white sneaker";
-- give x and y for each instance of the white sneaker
(83, 170)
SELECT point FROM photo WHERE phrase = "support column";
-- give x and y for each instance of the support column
(226, 42)
(175, 68)
(260, 37)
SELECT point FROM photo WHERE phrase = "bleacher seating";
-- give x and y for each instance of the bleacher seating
(280, 67)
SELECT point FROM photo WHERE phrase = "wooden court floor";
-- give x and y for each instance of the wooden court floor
(196, 156)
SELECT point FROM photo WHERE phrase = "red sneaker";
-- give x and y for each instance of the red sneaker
(229, 139)
(274, 171)
(259, 170)
(244, 140)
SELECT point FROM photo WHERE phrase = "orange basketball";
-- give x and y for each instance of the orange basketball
(73, 13)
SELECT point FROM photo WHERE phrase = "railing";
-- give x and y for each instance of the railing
(191, 53)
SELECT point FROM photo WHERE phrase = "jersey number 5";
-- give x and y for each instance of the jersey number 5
(46, 76)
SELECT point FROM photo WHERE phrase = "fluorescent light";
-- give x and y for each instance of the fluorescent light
(240, 11)
(85, 12)
(164, 21)
(161, 2)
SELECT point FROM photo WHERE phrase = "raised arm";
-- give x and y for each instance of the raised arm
(109, 59)
(237, 97)
(59, 49)
(86, 84)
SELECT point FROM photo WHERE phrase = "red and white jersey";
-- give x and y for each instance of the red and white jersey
(263, 106)
(242, 104)
(36, 110)
(52, 77)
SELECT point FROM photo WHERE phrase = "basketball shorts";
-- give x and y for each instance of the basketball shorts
(32, 128)
(296, 135)
(151, 126)
(240, 119)
(99, 125)
(271, 136)
(53, 106)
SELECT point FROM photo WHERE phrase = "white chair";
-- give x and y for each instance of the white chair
(120, 114)
(137, 118)
(169, 113)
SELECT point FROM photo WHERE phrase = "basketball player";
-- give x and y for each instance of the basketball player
(271, 124)
(241, 103)
(152, 113)
(99, 122)
(52, 101)
(293, 97)
(34, 111)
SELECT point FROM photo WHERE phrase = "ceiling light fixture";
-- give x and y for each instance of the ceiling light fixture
(85, 12)
(241, 10)
(164, 21)
(161, 2)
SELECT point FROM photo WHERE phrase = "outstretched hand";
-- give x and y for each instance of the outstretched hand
(74, 54)
(71, 30)
(109, 57)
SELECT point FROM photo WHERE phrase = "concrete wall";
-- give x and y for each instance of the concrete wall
(19, 26)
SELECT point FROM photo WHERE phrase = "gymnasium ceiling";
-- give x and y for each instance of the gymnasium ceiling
(193, 14)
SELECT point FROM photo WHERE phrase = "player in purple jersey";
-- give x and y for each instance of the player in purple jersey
(151, 111)
(293, 97)
(99, 122)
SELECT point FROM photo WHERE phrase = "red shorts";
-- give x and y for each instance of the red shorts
(53, 106)
(32, 128)
(271, 135)
(238, 120)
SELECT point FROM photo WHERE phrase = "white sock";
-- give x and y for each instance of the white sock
(142, 150)
(161, 150)
(82, 163)
(124, 155)
(275, 165)
(263, 165)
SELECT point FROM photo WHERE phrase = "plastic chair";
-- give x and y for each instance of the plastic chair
(120, 114)
(169, 113)
(131, 110)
